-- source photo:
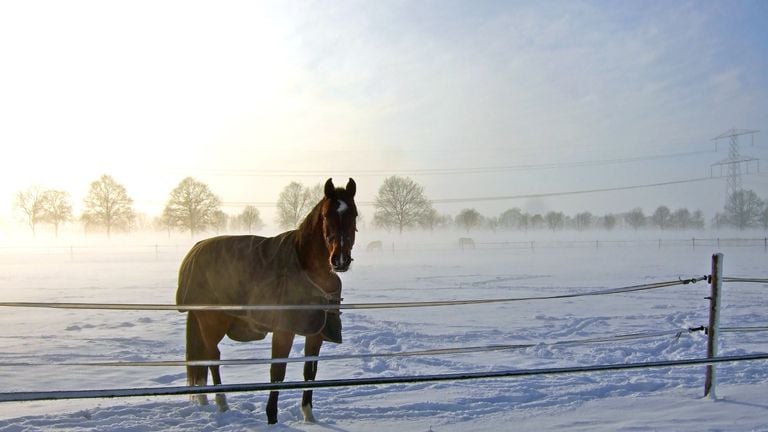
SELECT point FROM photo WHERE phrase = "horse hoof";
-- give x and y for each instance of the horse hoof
(221, 402)
(201, 399)
(308, 416)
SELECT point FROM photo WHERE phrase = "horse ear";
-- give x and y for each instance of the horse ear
(330, 189)
(351, 187)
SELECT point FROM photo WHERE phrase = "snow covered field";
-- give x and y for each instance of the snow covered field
(428, 269)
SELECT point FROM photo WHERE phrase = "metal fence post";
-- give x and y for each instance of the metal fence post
(714, 322)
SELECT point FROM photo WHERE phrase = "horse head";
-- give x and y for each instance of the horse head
(339, 214)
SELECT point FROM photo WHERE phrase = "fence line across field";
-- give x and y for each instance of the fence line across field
(429, 352)
(715, 279)
(409, 379)
(333, 357)
(350, 306)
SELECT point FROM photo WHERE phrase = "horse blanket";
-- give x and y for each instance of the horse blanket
(253, 270)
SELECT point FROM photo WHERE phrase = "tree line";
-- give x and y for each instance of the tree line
(400, 204)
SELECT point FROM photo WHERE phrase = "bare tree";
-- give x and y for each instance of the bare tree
(468, 219)
(30, 203)
(400, 203)
(661, 217)
(635, 218)
(512, 218)
(56, 208)
(219, 221)
(192, 206)
(554, 220)
(108, 204)
(609, 221)
(294, 203)
(764, 218)
(743, 209)
(583, 220)
(250, 219)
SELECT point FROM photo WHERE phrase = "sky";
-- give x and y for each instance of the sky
(471, 99)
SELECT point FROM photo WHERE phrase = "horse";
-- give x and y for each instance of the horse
(374, 246)
(466, 243)
(297, 267)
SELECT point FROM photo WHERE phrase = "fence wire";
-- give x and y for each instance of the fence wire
(350, 306)
(410, 379)
(428, 352)
(745, 279)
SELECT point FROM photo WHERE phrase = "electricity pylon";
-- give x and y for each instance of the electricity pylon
(735, 159)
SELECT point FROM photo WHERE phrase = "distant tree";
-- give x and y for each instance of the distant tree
(219, 221)
(554, 220)
(661, 217)
(743, 209)
(56, 208)
(719, 221)
(294, 203)
(609, 221)
(635, 218)
(250, 219)
(524, 222)
(192, 206)
(697, 220)
(429, 220)
(108, 205)
(468, 219)
(680, 219)
(492, 223)
(511, 218)
(537, 221)
(764, 218)
(400, 203)
(30, 204)
(583, 220)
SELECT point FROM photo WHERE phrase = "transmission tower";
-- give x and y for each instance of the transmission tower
(735, 160)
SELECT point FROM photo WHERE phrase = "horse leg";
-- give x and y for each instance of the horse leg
(211, 326)
(281, 347)
(196, 375)
(311, 349)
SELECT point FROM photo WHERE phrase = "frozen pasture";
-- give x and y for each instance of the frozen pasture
(405, 270)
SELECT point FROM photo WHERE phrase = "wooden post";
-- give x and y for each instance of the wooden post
(714, 322)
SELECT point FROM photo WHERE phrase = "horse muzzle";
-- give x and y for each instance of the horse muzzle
(341, 263)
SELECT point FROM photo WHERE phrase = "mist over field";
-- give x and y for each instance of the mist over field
(499, 150)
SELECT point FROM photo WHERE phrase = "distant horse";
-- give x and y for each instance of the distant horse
(297, 267)
(466, 243)
(374, 246)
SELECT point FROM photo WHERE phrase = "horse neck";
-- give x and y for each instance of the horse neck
(310, 244)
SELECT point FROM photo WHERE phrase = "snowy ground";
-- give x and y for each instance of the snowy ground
(651, 399)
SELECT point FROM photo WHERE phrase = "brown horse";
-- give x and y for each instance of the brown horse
(297, 267)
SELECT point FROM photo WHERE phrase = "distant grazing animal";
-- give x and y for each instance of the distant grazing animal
(297, 267)
(466, 243)
(375, 245)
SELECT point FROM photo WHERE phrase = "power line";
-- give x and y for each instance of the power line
(442, 171)
(507, 197)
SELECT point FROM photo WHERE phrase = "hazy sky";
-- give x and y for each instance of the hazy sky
(469, 98)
